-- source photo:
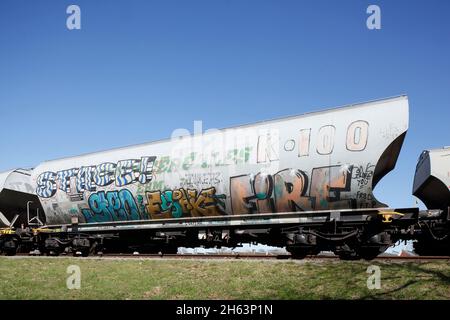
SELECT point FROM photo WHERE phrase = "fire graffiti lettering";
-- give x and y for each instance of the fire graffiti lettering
(286, 190)
(76, 181)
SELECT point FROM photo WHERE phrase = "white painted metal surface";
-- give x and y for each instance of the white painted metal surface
(317, 161)
(17, 180)
(432, 178)
(15, 191)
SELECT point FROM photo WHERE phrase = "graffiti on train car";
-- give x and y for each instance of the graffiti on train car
(202, 160)
(112, 206)
(287, 190)
(195, 180)
(185, 202)
(363, 175)
(76, 181)
(121, 205)
(144, 192)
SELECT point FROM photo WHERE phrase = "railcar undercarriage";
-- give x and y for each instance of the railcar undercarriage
(350, 234)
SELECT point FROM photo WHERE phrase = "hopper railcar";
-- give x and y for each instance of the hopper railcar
(432, 186)
(303, 182)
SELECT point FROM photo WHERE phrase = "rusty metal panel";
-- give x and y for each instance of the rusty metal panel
(432, 178)
(316, 161)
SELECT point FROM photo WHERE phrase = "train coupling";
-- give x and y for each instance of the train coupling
(399, 216)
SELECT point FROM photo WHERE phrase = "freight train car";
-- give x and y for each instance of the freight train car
(432, 186)
(17, 200)
(303, 182)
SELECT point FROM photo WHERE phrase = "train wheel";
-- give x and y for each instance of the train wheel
(10, 247)
(297, 252)
(431, 247)
(82, 253)
(85, 253)
(298, 255)
(370, 253)
(375, 246)
(53, 253)
(349, 255)
(348, 252)
(81, 247)
(11, 252)
(169, 250)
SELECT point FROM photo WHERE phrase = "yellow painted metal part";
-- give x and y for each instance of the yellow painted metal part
(45, 230)
(388, 215)
(7, 231)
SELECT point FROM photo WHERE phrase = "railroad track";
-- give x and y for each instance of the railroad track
(250, 257)
(263, 256)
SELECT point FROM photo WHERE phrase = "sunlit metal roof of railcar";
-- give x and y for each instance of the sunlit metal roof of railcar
(5, 175)
(338, 108)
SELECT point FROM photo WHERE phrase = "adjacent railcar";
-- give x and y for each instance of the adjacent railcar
(17, 197)
(432, 178)
(432, 186)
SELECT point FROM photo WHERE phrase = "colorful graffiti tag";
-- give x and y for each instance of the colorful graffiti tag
(89, 178)
(112, 206)
(196, 160)
(182, 202)
(286, 190)
(121, 205)
(167, 187)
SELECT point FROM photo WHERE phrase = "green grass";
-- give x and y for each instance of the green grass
(44, 278)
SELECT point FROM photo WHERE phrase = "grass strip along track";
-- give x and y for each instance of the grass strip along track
(45, 278)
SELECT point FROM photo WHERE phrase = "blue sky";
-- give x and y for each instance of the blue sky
(139, 69)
